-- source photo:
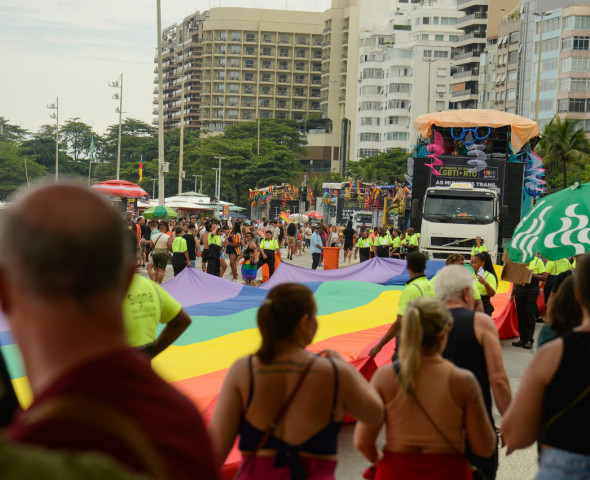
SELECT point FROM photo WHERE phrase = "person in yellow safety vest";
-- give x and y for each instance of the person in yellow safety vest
(179, 252)
(396, 245)
(413, 240)
(478, 247)
(213, 257)
(363, 246)
(525, 297)
(388, 241)
(380, 249)
(418, 286)
(267, 250)
(554, 268)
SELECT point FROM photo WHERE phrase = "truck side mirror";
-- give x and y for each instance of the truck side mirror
(415, 209)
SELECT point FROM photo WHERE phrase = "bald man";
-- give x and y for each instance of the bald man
(61, 288)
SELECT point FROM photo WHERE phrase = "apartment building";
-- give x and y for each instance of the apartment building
(480, 21)
(405, 71)
(181, 59)
(260, 63)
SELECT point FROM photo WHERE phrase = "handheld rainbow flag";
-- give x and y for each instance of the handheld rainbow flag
(285, 217)
(140, 169)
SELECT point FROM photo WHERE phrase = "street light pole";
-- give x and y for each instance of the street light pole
(118, 96)
(196, 176)
(181, 149)
(219, 183)
(160, 112)
(541, 14)
(55, 106)
(429, 61)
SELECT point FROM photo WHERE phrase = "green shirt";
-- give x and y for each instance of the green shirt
(269, 244)
(214, 240)
(488, 277)
(558, 266)
(179, 245)
(475, 250)
(413, 242)
(396, 242)
(364, 243)
(146, 305)
(536, 265)
(379, 241)
(416, 288)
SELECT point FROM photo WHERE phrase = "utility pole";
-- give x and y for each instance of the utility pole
(119, 110)
(429, 61)
(197, 176)
(219, 182)
(160, 112)
(55, 106)
(181, 149)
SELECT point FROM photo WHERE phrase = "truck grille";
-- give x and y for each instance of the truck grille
(456, 242)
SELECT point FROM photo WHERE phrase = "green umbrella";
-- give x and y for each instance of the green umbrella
(160, 212)
(557, 226)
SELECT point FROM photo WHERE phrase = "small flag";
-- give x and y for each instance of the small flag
(140, 169)
(92, 147)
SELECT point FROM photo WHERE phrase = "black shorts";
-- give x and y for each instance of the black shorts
(205, 255)
(231, 251)
(348, 245)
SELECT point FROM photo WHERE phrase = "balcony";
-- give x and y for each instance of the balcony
(465, 93)
(474, 36)
(473, 16)
(466, 73)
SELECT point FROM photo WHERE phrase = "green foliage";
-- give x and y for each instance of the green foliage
(564, 145)
(77, 136)
(13, 173)
(11, 133)
(384, 168)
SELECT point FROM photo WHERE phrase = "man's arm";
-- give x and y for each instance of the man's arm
(174, 328)
(391, 332)
(487, 336)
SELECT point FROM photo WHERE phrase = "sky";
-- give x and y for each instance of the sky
(72, 49)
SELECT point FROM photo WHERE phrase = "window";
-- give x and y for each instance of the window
(219, 113)
(299, 53)
(249, 77)
(298, 92)
(298, 105)
(264, 90)
(515, 37)
(302, 40)
(283, 78)
(441, 72)
(417, 21)
(314, 105)
(575, 64)
(372, 73)
(400, 72)
(368, 152)
(513, 57)
(283, 52)
(267, 38)
(233, 101)
(549, 25)
(427, 53)
(299, 78)
(546, 104)
(249, 89)
(372, 121)
(221, 75)
(441, 54)
(282, 91)
(266, 77)
(439, 38)
(398, 104)
(250, 51)
(234, 62)
(234, 88)
(300, 66)
(400, 88)
(249, 63)
(222, 49)
(576, 105)
(236, 36)
(512, 75)
(425, 20)
(234, 75)
(233, 114)
(435, 20)
(236, 49)
(250, 37)
(371, 90)
(393, 120)
(220, 87)
(441, 89)
(283, 65)
(549, 45)
(547, 85)
(266, 51)
(546, 65)
(576, 22)
(440, 106)
(266, 64)
(423, 36)
(222, 36)
(397, 136)
(453, 38)
(219, 100)
(370, 106)
(221, 62)
(265, 114)
(448, 20)
(246, 115)
(284, 38)
(370, 137)
(574, 85)
(511, 94)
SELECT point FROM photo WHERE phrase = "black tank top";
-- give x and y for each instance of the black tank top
(571, 431)
(466, 352)
(190, 245)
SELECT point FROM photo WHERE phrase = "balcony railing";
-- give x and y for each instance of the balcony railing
(466, 73)
(462, 93)
(473, 16)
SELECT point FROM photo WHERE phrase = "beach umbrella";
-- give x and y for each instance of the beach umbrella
(557, 226)
(160, 211)
(299, 217)
(315, 215)
(120, 188)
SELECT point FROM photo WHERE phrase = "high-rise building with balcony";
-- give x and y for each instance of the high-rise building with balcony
(260, 64)
(181, 57)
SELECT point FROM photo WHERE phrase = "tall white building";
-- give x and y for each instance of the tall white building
(404, 72)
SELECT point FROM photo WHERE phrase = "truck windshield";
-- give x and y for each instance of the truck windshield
(456, 209)
(361, 218)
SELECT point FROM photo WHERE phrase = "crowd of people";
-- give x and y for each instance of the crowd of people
(101, 410)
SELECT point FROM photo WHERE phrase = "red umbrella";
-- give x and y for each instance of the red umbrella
(314, 214)
(120, 188)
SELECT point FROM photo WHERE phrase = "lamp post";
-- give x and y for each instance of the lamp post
(160, 111)
(216, 185)
(55, 106)
(197, 176)
(430, 61)
(219, 182)
(154, 187)
(181, 145)
(119, 110)
(540, 14)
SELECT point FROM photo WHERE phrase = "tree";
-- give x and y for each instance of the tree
(77, 136)
(564, 143)
(280, 132)
(11, 133)
(381, 168)
(41, 148)
(13, 172)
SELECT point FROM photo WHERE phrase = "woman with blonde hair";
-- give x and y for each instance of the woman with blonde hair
(430, 405)
(285, 403)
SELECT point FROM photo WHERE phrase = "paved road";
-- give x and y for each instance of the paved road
(521, 465)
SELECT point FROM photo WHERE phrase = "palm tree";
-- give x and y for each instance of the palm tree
(564, 141)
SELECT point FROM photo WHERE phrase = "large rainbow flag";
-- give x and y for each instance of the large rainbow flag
(356, 306)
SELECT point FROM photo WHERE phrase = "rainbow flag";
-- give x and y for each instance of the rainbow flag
(285, 217)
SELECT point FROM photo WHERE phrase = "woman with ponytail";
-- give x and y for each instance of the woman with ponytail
(430, 406)
(285, 403)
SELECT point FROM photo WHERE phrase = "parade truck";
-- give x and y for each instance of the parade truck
(473, 176)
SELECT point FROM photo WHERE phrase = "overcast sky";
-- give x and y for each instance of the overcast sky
(73, 48)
